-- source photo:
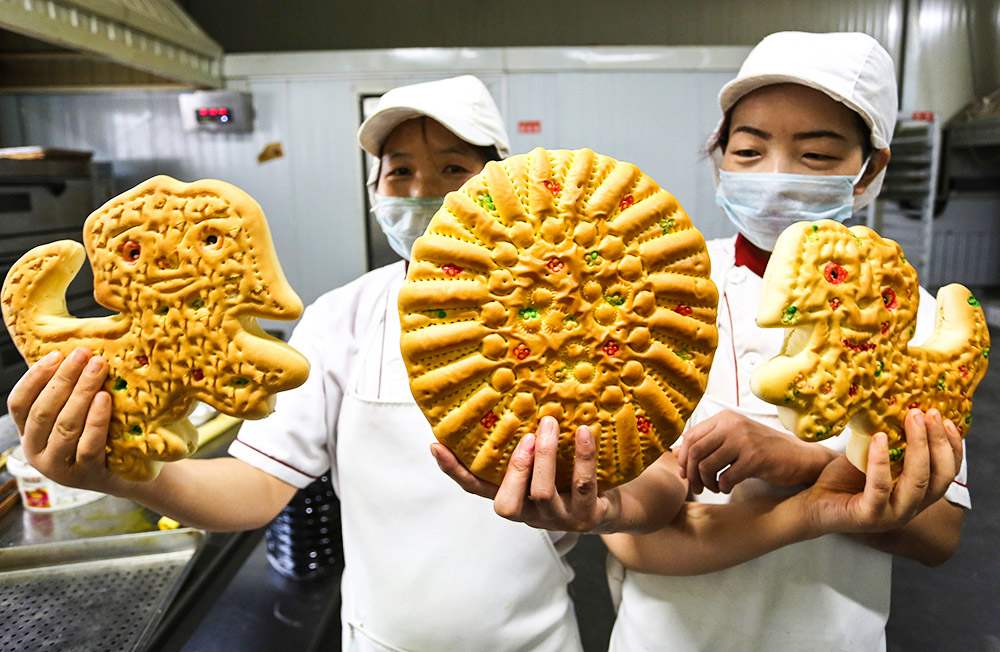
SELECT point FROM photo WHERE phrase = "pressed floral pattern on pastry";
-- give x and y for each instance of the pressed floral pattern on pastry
(560, 283)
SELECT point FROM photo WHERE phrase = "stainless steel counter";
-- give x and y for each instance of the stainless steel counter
(231, 598)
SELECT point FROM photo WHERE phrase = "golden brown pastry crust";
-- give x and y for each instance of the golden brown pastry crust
(189, 268)
(848, 300)
(560, 283)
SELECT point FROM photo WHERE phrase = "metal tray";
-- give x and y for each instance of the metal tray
(91, 595)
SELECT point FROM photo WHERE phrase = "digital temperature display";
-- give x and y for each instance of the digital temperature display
(213, 114)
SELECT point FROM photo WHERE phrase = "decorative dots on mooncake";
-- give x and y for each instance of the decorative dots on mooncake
(581, 261)
(451, 269)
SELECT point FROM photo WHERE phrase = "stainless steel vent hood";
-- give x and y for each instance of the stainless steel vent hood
(87, 45)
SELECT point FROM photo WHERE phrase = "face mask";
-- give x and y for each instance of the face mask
(404, 219)
(762, 205)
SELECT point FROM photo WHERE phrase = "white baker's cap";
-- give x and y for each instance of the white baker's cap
(851, 67)
(461, 104)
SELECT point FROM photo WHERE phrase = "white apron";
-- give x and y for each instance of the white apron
(822, 595)
(428, 567)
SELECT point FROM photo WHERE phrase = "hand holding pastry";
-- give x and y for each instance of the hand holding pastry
(845, 500)
(722, 451)
(62, 414)
(528, 491)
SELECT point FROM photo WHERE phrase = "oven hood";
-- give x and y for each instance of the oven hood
(91, 45)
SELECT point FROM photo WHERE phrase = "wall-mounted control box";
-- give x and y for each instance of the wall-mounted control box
(216, 111)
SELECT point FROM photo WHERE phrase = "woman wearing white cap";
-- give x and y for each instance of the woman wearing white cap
(757, 562)
(427, 568)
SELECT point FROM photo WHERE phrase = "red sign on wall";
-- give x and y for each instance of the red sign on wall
(529, 126)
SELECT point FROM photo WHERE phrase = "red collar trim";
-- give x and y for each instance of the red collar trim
(751, 256)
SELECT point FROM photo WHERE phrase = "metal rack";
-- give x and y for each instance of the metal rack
(904, 211)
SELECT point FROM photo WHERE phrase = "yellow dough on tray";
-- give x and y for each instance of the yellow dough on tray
(188, 267)
(560, 283)
(848, 300)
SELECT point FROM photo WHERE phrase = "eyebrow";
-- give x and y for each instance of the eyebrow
(804, 135)
(402, 154)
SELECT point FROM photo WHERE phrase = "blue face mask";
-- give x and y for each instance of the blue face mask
(404, 219)
(762, 205)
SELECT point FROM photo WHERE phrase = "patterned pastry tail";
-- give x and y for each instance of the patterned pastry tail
(848, 300)
(957, 356)
(34, 301)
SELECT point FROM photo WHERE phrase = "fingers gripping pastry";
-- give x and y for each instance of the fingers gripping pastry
(560, 283)
(188, 268)
(848, 301)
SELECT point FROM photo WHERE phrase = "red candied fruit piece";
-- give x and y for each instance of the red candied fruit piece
(852, 391)
(964, 371)
(834, 273)
(889, 299)
(521, 352)
(489, 421)
(626, 201)
(642, 423)
(451, 270)
(890, 400)
(611, 349)
(198, 374)
(555, 265)
(552, 186)
(143, 360)
(834, 303)
(683, 310)
(885, 328)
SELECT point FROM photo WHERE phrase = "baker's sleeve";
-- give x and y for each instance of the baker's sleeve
(294, 443)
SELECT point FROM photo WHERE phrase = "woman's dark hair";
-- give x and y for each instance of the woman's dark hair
(487, 152)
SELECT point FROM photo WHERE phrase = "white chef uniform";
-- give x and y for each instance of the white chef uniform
(826, 594)
(428, 567)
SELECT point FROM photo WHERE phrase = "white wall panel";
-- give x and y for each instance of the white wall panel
(657, 120)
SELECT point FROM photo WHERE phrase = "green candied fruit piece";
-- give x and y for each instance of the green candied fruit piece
(789, 315)
(878, 369)
(528, 313)
(667, 225)
(902, 256)
(120, 384)
(986, 352)
(592, 258)
(615, 298)
(162, 310)
(570, 321)
(240, 382)
(135, 430)
(683, 353)
(198, 303)
(895, 454)
(968, 419)
(486, 202)
(823, 434)
(815, 228)
(940, 383)
(973, 301)
(440, 314)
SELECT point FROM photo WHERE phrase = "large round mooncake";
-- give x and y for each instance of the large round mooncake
(560, 283)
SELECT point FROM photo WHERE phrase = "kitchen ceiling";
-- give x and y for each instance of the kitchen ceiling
(88, 45)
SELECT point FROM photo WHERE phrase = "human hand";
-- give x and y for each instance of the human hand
(844, 499)
(528, 493)
(750, 450)
(63, 418)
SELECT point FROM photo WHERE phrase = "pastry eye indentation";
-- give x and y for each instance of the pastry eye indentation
(130, 251)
